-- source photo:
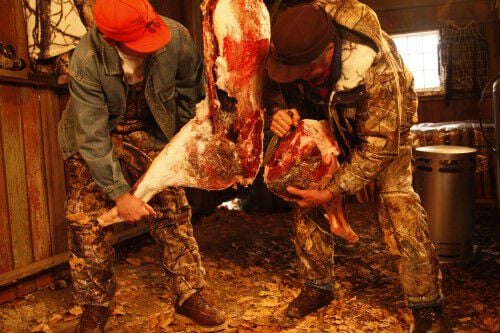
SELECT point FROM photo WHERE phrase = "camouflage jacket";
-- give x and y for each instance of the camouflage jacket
(173, 85)
(369, 127)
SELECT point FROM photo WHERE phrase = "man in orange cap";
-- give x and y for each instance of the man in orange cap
(331, 60)
(134, 82)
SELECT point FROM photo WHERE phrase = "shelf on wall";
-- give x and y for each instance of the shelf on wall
(26, 78)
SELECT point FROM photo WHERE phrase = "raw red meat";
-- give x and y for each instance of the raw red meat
(222, 145)
(306, 159)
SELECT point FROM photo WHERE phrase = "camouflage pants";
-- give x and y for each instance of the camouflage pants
(404, 223)
(91, 255)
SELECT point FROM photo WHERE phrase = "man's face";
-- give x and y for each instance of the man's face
(319, 70)
(131, 52)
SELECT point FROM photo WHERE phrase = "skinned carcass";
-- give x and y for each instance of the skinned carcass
(222, 145)
(307, 158)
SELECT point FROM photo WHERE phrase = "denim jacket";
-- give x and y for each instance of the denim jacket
(173, 85)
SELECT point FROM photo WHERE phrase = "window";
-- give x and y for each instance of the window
(420, 54)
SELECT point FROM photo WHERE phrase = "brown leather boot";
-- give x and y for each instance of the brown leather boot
(309, 300)
(93, 319)
(198, 311)
(430, 319)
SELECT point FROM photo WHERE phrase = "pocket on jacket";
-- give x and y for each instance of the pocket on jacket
(65, 135)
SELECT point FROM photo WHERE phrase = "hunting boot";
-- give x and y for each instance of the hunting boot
(430, 319)
(309, 300)
(198, 311)
(93, 319)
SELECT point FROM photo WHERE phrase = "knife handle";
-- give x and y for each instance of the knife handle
(290, 114)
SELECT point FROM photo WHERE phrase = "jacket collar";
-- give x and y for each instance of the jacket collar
(355, 16)
(110, 59)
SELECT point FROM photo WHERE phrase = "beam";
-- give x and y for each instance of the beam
(62, 258)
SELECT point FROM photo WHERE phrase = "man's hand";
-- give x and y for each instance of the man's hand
(310, 198)
(132, 209)
(283, 120)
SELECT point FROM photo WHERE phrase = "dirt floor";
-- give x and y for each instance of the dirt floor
(251, 274)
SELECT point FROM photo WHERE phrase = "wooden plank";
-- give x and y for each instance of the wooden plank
(20, 75)
(42, 265)
(12, 140)
(388, 5)
(191, 18)
(54, 166)
(169, 9)
(19, 30)
(409, 19)
(15, 34)
(22, 78)
(6, 259)
(35, 174)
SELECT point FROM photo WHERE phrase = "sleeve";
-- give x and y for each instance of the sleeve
(189, 78)
(378, 126)
(92, 134)
(272, 100)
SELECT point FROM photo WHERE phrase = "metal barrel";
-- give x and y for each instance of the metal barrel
(444, 179)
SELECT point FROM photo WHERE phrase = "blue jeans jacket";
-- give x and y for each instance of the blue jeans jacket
(174, 83)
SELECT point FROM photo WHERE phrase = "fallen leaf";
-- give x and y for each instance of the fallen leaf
(492, 324)
(134, 261)
(164, 320)
(118, 310)
(76, 310)
(43, 327)
(55, 318)
(148, 259)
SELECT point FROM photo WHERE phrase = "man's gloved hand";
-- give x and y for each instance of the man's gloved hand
(284, 120)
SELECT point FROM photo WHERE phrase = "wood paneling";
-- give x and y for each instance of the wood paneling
(435, 109)
(171, 8)
(191, 18)
(35, 173)
(6, 260)
(186, 12)
(32, 182)
(13, 28)
(404, 16)
(54, 167)
(15, 170)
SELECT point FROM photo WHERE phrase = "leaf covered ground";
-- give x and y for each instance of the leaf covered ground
(252, 275)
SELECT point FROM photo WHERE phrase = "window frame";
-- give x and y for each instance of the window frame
(432, 91)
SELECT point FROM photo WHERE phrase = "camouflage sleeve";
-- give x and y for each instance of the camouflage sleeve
(377, 125)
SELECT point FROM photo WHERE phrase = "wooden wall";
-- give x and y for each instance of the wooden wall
(401, 16)
(185, 11)
(32, 185)
(32, 180)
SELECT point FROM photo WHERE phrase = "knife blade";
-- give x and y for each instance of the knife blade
(270, 149)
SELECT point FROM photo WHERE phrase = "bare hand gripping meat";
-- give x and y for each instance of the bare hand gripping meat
(307, 159)
(222, 145)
